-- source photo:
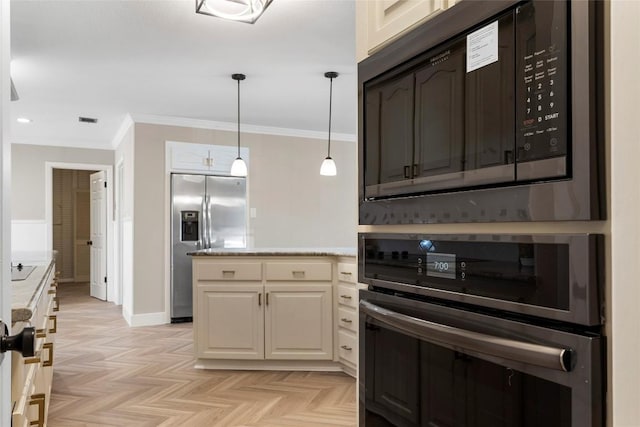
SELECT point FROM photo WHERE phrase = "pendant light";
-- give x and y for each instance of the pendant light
(238, 167)
(234, 10)
(328, 167)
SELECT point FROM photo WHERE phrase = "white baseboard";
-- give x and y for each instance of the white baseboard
(127, 315)
(270, 365)
(147, 319)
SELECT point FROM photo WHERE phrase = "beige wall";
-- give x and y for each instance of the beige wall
(28, 174)
(295, 206)
(624, 134)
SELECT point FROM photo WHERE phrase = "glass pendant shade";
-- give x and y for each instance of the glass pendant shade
(234, 10)
(328, 167)
(238, 167)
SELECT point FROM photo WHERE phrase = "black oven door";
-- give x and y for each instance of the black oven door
(423, 364)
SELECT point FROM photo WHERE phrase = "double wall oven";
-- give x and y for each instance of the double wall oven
(481, 330)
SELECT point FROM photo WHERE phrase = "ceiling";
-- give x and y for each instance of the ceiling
(158, 61)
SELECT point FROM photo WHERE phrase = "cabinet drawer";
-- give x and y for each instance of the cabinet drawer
(348, 319)
(348, 346)
(348, 295)
(228, 271)
(347, 272)
(298, 271)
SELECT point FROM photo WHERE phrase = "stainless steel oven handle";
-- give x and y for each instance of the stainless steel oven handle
(533, 354)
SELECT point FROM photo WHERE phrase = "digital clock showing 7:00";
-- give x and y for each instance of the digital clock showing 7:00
(441, 265)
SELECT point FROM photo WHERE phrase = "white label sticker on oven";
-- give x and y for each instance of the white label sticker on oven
(482, 47)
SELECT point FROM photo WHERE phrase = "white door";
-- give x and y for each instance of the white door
(99, 235)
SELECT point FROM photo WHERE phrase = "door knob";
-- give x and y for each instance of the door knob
(24, 342)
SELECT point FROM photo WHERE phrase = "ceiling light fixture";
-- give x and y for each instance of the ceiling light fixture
(238, 167)
(328, 167)
(234, 10)
(23, 120)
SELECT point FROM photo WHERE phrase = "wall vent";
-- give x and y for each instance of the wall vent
(87, 120)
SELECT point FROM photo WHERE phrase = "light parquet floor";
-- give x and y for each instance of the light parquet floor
(107, 374)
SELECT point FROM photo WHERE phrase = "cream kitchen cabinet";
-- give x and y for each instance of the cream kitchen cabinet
(347, 317)
(258, 309)
(298, 321)
(230, 321)
(386, 20)
(35, 305)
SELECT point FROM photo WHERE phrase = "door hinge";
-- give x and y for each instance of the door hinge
(105, 184)
(105, 279)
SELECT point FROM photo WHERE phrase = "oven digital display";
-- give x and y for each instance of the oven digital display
(441, 265)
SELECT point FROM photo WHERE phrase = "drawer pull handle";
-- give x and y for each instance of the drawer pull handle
(38, 399)
(346, 273)
(56, 307)
(51, 292)
(345, 296)
(48, 346)
(346, 347)
(40, 333)
(298, 273)
(267, 298)
(54, 328)
(345, 320)
(32, 360)
(259, 300)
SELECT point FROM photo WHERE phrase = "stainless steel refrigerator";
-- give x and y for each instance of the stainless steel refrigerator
(206, 212)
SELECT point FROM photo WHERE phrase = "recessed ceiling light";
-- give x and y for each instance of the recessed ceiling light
(23, 120)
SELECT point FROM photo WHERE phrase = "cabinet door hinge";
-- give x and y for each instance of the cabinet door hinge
(105, 279)
(105, 184)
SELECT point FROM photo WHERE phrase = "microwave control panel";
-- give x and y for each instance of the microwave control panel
(541, 88)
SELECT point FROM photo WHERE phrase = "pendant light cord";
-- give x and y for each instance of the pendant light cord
(330, 99)
(238, 118)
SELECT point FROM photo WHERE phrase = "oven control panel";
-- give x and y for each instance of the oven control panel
(539, 272)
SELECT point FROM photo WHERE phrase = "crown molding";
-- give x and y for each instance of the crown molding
(122, 131)
(232, 127)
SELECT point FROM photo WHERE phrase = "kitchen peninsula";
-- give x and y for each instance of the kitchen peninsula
(34, 303)
(275, 308)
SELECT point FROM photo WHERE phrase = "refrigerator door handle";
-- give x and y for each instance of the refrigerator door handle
(208, 229)
(202, 242)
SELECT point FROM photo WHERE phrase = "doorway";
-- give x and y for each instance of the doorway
(83, 242)
(71, 223)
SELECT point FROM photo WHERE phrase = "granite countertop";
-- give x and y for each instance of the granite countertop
(275, 252)
(26, 293)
